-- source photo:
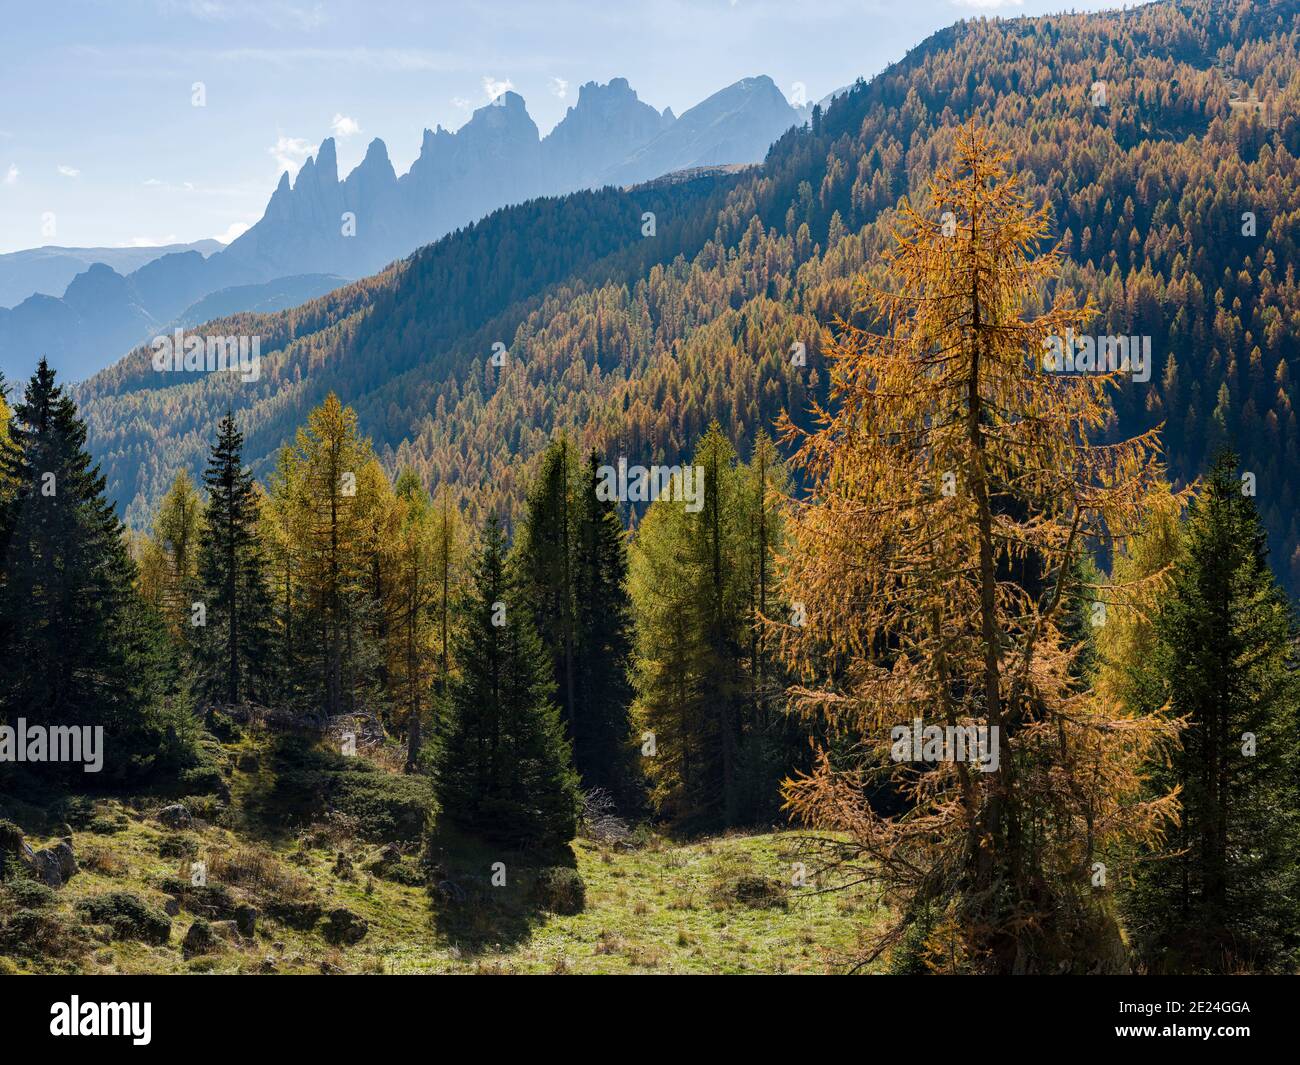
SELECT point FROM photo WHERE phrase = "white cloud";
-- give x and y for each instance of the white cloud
(291, 152)
(233, 230)
(559, 87)
(461, 102)
(495, 88)
(345, 127)
(11, 175)
(69, 171)
(988, 3)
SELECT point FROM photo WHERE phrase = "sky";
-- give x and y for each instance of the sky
(102, 144)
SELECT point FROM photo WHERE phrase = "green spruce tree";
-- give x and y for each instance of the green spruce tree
(503, 771)
(602, 729)
(232, 648)
(79, 645)
(1224, 895)
(546, 554)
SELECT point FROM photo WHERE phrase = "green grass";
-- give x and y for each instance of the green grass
(718, 905)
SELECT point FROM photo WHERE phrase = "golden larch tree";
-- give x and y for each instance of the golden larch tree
(952, 489)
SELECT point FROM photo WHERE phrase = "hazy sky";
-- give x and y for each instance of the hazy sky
(99, 138)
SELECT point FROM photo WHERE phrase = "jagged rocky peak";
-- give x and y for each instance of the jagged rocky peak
(507, 112)
(605, 125)
(327, 164)
(376, 163)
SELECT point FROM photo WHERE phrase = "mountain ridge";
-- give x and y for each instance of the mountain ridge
(316, 223)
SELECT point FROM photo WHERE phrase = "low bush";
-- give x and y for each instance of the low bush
(560, 890)
(128, 916)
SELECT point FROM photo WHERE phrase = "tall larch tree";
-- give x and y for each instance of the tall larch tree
(413, 594)
(951, 488)
(172, 552)
(321, 479)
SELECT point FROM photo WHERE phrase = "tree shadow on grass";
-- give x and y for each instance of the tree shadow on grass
(487, 898)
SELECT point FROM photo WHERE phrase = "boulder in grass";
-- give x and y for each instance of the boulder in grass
(46, 867)
(175, 816)
(199, 939)
(67, 860)
(53, 866)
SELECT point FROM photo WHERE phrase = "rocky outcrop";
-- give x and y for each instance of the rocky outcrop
(53, 866)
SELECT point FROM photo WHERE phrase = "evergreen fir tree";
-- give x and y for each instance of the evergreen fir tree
(503, 771)
(232, 649)
(79, 646)
(1224, 895)
(546, 556)
(602, 729)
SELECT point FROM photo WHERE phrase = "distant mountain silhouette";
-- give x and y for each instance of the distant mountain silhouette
(49, 269)
(318, 225)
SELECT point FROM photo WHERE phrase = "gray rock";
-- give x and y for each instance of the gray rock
(227, 930)
(172, 907)
(246, 920)
(46, 866)
(175, 816)
(198, 940)
(62, 852)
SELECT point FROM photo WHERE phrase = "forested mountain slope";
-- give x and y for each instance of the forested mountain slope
(639, 341)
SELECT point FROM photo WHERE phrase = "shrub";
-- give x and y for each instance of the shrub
(213, 901)
(295, 913)
(178, 846)
(388, 807)
(560, 890)
(29, 895)
(756, 892)
(344, 928)
(11, 838)
(40, 933)
(202, 780)
(128, 916)
(103, 860)
(311, 784)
